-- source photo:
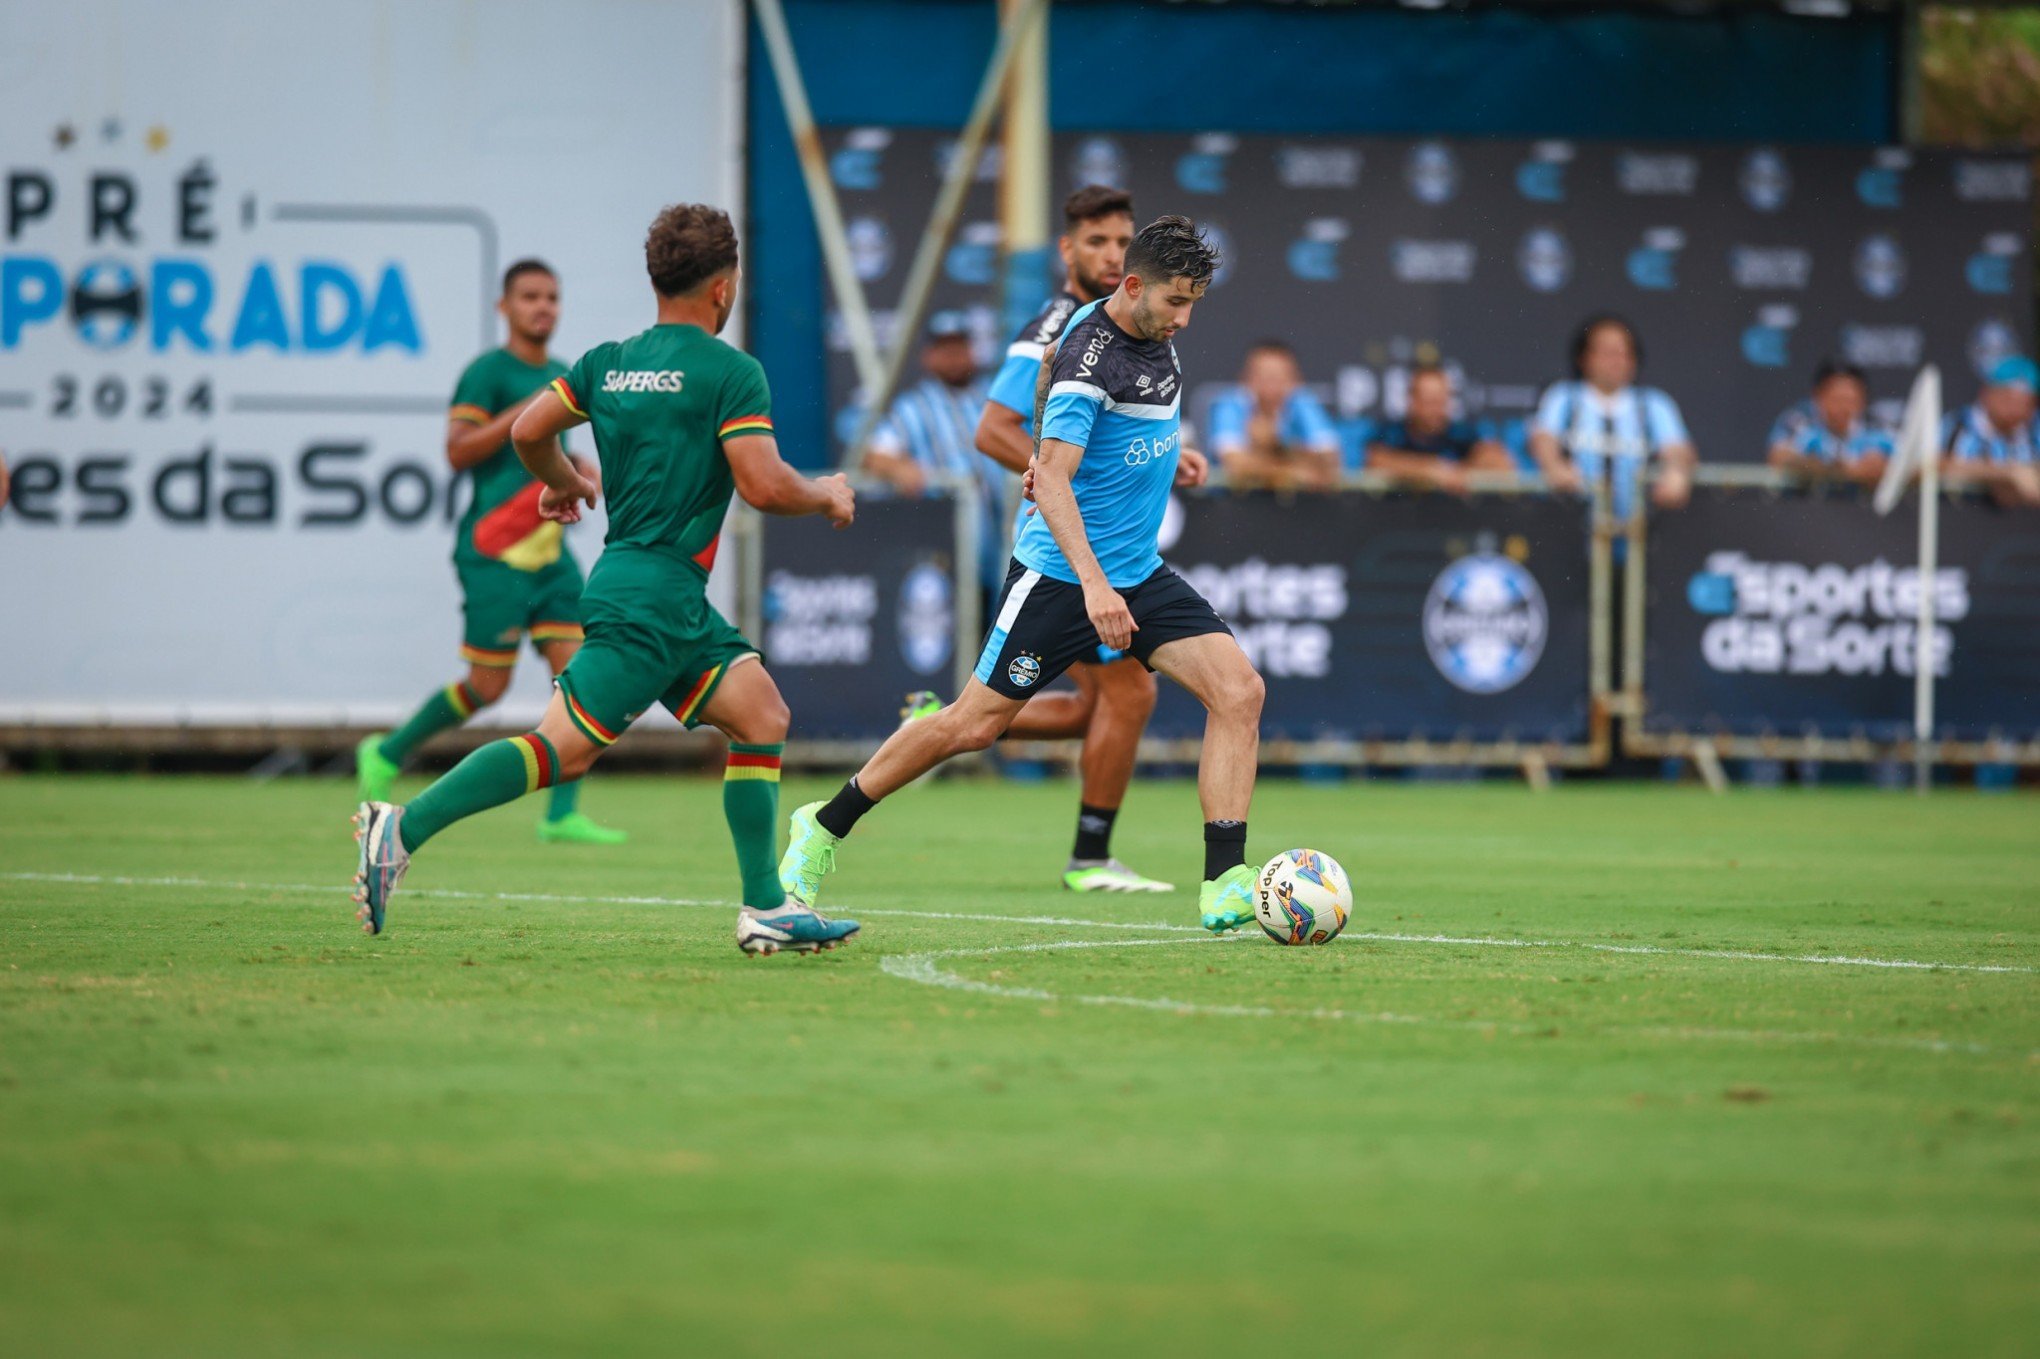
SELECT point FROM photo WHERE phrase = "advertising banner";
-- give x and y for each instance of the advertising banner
(242, 264)
(853, 620)
(1741, 267)
(1795, 615)
(1383, 617)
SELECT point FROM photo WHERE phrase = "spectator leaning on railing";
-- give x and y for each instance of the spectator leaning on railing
(1600, 423)
(1995, 441)
(931, 430)
(1830, 436)
(1428, 447)
(1269, 431)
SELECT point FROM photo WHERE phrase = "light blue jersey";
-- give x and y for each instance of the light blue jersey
(1613, 435)
(1120, 400)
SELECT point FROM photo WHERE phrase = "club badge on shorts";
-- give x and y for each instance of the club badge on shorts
(1024, 670)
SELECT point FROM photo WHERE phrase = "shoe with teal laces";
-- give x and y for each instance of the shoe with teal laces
(810, 855)
(1227, 901)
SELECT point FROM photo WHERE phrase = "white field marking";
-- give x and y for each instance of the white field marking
(1451, 940)
(923, 969)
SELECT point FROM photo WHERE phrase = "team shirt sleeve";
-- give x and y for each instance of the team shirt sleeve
(744, 406)
(1013, 384)
(1314, 429)
(1666, 422)
(578, 383)
(1550, 411)
(1787, 428)
(1073, 404)
(474, 396)
(1228, 416)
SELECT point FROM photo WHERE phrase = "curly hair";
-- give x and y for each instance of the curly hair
(1172, 247)
(688, 244)
(1092, 202)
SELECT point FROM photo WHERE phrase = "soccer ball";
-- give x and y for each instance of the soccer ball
(1302, 897)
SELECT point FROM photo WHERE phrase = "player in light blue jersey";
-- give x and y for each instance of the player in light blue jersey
(1114, 694)
(1830, 435)
(1087, 570)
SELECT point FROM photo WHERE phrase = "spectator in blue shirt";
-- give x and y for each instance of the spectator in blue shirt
(1829, 436)
(931, 431)
(1600, 423)
(1995, 442)
(1428, 447)
(1270, 431)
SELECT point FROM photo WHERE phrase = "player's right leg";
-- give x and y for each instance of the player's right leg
(490, 776)
(746, 707)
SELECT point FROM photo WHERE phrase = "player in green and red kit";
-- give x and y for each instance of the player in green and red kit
(681, 422)
(517, 576)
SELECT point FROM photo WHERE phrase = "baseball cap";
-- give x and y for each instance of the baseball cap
(948, 325)
(2015, 370)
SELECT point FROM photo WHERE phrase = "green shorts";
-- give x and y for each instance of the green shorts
(501, 604)
(676, 654)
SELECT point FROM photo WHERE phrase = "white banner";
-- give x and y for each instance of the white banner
(245, 250)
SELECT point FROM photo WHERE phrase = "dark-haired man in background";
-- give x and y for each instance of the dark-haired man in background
(682, 421)
(1830, 436)
(1088, 571)
(1115, 695)
(517, 576)
(1427, 447)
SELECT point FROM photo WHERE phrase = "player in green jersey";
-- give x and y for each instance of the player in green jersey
(681, 421)
(517, 576)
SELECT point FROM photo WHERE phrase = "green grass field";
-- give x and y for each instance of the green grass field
(553, 1110)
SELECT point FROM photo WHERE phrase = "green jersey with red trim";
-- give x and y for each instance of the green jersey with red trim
(661, 403)
(501, 522)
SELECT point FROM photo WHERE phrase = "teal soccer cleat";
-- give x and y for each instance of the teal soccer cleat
(810, 856)
(1227, 901)
(382, 862)
(792, 927)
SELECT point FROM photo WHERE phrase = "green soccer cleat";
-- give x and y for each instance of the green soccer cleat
(576, 829)
(1227, 902)
(921, 703)
(1109, 875)
(374, 776)
(810, 856)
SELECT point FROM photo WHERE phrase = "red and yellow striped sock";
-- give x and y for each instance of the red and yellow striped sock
(499, 772)
(750, 800)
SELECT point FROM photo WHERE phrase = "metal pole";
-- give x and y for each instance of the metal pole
(1025, 178)
(942, 221)
(814, 169)
(1923, 644)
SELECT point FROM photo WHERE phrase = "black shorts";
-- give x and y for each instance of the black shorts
(1041, 627)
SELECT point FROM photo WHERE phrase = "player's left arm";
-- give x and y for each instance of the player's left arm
(536, 437)
(1676, 454)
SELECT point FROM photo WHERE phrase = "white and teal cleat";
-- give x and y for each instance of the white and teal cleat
(1227, 901)
(1109, 875)
(810, 856)
(382, 861)
(792, 927)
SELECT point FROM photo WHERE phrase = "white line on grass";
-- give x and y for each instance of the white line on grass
(1450, 940)
(922, 968)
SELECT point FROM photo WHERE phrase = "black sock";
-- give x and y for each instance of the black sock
(1094, 832)
(1225, 846)
(843, 810)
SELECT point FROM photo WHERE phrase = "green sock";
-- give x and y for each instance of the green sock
(750, 802)
(499, 772)
(450, 707)
(566, 800)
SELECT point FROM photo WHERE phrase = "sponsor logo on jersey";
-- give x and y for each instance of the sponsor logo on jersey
(642, 380)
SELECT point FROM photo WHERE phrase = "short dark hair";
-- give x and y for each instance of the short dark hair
(1172, 247)
(1830, 369)
(1092, 202)
(1584, 336)
(530, 264)
(1271, 346)
(689, 243)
